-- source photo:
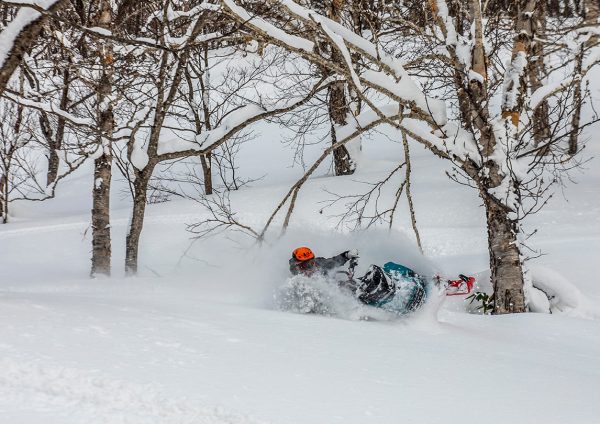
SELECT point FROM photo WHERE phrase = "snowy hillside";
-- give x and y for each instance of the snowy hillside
(196, 339)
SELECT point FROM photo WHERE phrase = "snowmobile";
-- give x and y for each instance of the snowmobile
(394, 288)
(397, 288)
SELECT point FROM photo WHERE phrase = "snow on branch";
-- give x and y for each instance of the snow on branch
(339, 43)
(25, 16)
(49, 108)
(208, 138)
(448, 141)
(544, 92)
(512, 81)
(177, 14)
(440, 9)
(592, 59)
(169, 42)
(234, 122)
(393, 78)
(189, 36)
(390, 78)
(16, 38)
(272, 31)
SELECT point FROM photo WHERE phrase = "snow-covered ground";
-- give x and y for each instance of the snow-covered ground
(196, 337)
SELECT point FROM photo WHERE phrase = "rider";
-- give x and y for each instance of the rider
(374, 287)
(303, 261)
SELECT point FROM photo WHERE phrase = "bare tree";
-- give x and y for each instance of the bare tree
(23, 162)
(14, 140)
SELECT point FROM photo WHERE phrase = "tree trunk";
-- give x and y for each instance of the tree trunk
(132, 241)
(3, 199)
(53, 164)
(207, 173)
(338, 111)
(55, 143)
(101, 245)
(505, 259)
(592, 13)
(338, 104)
(537, 74)
(577, 105)
(101, 242)
(516, 89)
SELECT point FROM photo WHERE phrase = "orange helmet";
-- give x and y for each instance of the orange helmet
(303, 254)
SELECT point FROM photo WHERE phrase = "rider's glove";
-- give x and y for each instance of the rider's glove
(351, 254)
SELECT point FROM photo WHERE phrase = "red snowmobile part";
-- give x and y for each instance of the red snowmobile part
(460, 287)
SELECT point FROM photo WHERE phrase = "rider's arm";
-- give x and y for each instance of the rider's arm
(327, 264)
(294, 267)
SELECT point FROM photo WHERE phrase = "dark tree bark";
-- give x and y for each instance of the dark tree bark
(338, 112)
(591, 11)
(338, 103)
(206, 161)
(132, 240)
(202, 123)
(537, 72)
(505, 261)
(55, 143)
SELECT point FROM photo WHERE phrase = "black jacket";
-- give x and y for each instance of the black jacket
(317, 265)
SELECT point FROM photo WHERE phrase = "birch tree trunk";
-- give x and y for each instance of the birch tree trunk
(505, 261)
(516, 75)
(503, 244)
(505, 258)
(206, 160)
(101, 241)
(577, 104)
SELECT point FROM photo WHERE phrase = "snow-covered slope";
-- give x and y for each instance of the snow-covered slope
(196, 339)
(158, 351)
